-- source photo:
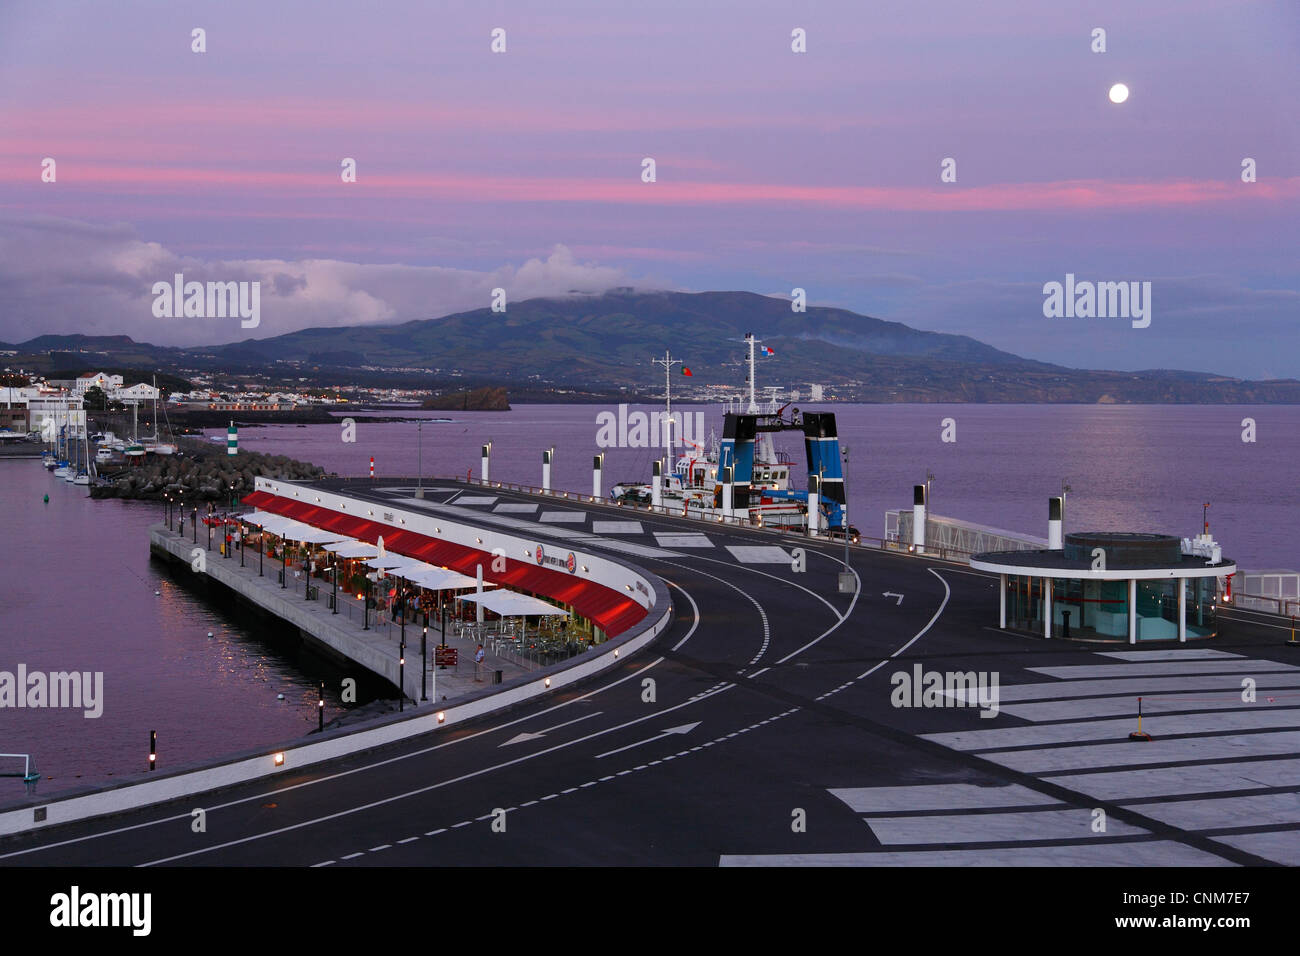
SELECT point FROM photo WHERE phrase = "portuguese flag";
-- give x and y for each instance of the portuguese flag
(686, 371)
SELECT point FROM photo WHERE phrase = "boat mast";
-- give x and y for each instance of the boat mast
(668, 362)
(753, 403)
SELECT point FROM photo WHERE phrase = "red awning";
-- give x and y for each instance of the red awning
(612, 612)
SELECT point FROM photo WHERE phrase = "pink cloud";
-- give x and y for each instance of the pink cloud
(469, 187)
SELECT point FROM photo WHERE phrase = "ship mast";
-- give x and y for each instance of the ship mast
(668, 362)
(753, 403)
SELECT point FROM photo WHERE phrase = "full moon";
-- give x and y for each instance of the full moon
(1118, 93)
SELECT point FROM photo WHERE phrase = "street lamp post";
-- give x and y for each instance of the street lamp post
(401, 675)
(846, 583)
(334, 567)
(424, 660)
(419, 459)
(845, 518)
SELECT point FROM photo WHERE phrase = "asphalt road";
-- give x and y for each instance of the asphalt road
(760, 729)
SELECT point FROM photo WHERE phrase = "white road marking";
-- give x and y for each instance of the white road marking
(616, 527)
(563, 516)
(758, 554)
(1161, 669)
(683, 540)
(1191, 654)
(1158, 725)
(1023, 826)
(681, 729)
(1124, 753)
(533, 735)
(939, 796)
(1110, 853)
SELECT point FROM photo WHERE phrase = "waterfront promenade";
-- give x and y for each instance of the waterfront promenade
(375, 649)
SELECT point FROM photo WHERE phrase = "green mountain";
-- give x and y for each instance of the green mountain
(602, 345)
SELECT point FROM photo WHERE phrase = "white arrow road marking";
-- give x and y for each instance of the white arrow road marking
(892, 594)
(520, 738)
(683, 729)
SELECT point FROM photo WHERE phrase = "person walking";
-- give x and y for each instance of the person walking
(478, 665)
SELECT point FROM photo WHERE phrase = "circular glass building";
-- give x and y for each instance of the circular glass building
(1111, 586)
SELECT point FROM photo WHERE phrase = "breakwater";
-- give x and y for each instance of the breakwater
(200, 471)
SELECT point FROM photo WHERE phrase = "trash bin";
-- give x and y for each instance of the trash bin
(496, 677)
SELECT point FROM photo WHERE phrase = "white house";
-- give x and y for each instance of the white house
(97, 380)
(135, 394)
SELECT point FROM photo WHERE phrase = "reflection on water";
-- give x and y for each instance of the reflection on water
(77, 593)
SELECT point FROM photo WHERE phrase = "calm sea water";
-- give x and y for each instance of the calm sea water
(77, 593)
(77, 583)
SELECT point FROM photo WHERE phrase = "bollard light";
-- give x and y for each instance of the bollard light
(279, 760)
(547, 682)
(441, 716)
(153, 749)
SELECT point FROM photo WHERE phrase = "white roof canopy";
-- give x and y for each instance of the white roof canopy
(386, 561)
(352, 549)
(264, 518)
(514, 604)
(437, 579)
(309, 535)
(293, 530)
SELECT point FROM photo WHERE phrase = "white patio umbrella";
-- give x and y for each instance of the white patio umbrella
(352, 549)
(514, 604)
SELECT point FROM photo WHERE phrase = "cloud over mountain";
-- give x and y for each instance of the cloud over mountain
(67, 276)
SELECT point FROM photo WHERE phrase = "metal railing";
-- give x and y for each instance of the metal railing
(866, 541)
(1264, 604)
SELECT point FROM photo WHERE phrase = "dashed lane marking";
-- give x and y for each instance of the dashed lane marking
(592, 783)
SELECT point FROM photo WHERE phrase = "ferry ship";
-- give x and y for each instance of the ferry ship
(761, 489)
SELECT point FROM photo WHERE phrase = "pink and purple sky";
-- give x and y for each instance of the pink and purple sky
(775, 169)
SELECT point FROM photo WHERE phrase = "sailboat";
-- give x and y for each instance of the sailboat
(70, 473)
(61, 453)
(153, 444)
(134, 450)
(83, 472)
